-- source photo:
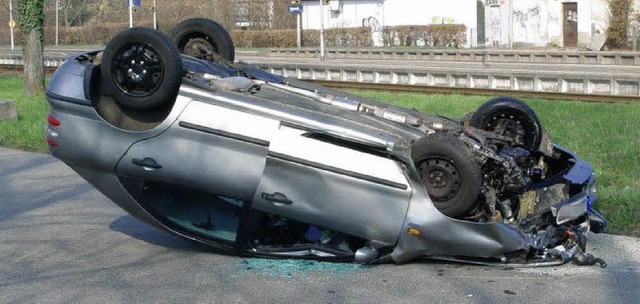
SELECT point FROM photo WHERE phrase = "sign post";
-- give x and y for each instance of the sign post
(131, 4)
(130, 13)
(297, 10)
(12, 24)
(155, 17)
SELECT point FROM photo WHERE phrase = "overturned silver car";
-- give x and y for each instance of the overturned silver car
(250, 163)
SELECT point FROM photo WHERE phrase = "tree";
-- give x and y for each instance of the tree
(75, 12)
(618, 29)
(31, 28)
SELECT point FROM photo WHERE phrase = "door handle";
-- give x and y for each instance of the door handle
(147, 163)
(277, 197)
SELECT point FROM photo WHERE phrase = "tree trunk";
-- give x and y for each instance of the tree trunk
(32, 29)
(33, 64)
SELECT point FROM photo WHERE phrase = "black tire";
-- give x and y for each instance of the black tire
(449, 173)
(141, 68)
(510, 117)
(201, 38)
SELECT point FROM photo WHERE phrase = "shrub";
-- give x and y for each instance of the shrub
(91, 34)
(355, 37)
(264, 38)
(433, 35)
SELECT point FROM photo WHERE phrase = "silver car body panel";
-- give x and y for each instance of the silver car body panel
(264, 151)
(334, 187)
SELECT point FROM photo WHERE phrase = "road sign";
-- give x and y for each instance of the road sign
(295, 9)
(133, 2)
(12, 23)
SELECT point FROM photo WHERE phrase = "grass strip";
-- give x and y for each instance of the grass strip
(28, 132)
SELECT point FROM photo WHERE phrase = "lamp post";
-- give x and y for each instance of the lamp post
(321, 30)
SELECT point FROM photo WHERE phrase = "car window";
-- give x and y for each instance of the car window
(210, 216)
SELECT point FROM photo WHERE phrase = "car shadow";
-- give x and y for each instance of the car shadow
(136, 229)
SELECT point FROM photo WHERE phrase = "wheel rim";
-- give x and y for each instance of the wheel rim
(509, 126)
(200, 48)
(137, 70)
(441, 178)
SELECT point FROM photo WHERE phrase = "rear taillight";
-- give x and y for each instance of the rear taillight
(52, 121)
(51, 142)
(51, 134)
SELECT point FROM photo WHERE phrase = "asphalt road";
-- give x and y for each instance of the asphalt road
(62, 241)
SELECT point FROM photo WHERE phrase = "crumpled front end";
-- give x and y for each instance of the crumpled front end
(549, 230)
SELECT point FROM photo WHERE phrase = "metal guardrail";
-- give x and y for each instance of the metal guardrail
(16, 60)
(604, 87)
(476, 91)
(535, 81)
(504, 56)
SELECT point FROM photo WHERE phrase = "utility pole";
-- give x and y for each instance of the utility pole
(321, 30)
(510, 32)
(11, 24)
(299, 30)
(57, 20)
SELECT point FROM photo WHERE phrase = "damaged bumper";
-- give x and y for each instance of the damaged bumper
(552, 235)
(577, 205)
(581, 176)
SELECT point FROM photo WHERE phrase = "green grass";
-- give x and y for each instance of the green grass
(28, 132)
(605, 135)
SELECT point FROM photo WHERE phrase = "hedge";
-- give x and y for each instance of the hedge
(436, 35)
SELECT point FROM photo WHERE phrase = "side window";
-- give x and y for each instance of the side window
(190, 211)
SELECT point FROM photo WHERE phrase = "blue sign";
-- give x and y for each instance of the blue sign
(295, 9)
(133, 2)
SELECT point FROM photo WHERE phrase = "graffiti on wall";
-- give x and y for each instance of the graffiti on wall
(572, 16)
(443, 20)
(376, 30)
(523, 16)
(372, 23)
(494, 25)
(528, 24)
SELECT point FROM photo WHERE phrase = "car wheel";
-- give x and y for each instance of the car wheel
(142, 69)
(203, 38)
(449, 173)
(512, 118)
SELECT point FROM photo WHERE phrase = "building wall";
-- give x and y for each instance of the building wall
(540, 22)
(534, 22)
(379, 13)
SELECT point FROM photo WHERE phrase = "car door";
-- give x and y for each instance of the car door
(210, 148)
(333, 186)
